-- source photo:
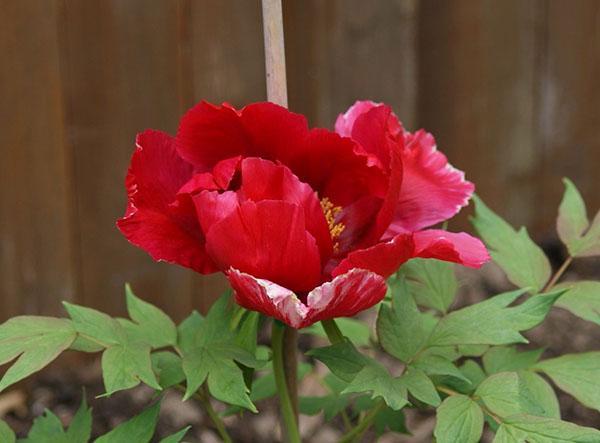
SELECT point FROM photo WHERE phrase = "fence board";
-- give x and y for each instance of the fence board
(36, 242)
(569, 95)
(121, 77)
(476, 67)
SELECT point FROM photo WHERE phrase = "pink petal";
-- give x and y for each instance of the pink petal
(432, 190)
(267, 297)
(344, 296)
(450, 246)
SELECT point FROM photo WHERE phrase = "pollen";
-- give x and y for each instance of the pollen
(335, 228)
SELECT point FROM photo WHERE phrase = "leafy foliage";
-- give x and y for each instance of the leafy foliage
(582, 299)
(458, 419)
(524, 262)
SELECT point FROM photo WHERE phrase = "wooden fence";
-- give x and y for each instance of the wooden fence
(509, 87)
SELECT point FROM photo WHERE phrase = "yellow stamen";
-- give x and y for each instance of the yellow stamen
(335, 228)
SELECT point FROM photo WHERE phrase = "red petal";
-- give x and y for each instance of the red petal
(212, 207)
(267, 239)
(267, 297)
(156, 220)
(383, 258)
(264, 180)
(345, 296)
(450, 246)
(432, 190)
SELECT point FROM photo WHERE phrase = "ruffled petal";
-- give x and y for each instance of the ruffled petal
(265, 180)
(212, 207)
(267, 297)
(157, 219)
(383, 258)
(269, 240)
(432, 190)
(455, 247)
(344, 296)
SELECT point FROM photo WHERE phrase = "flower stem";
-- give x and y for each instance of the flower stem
(219, 425)
(287, 410)
(558, 274)
(363, 425)
(333, 331)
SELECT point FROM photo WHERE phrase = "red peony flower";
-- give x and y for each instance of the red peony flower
(305, 223)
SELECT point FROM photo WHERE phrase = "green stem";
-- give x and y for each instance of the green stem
(558, 274)
(333, 331)
(362, 426)
(287, 409)
(204, 400)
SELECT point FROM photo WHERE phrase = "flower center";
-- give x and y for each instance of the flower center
(335, 228)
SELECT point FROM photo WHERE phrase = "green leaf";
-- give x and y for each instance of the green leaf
(492, 321)
(504, 358)
(355, 330)
(432, 283)
(139, 429)
(401, 328)
(155, 326)
(341, 358)
(506, 394)
(376, 379)
(572, 216)
(472, 350)
(86, 344)
(472, 371)
(177, 437)
(577, 374)
(6, 433)
(458, 419)
(574, 229)
(582, 299)
(209, 352)
(36, 341)
(124, 366)
(389, 420)
(331, 404)
(522, 427)
(541, 394)
(95, 324)
(433, 364)
(46, 429)
(80, 428)
(420, 386)
(524, 262)
(168, 367)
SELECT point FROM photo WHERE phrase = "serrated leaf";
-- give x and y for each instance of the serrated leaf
(541, 394)
(432, 283)
(524, 262)
(355, 330)
(95, 324)
(582, 299)
(573, 226)
(155, 326)
(577, 374)
(492, 322)
(138, 429)
(341, 358)
(168, 367)
(420, 386)
(433, 364)
(401, 328)
(506, 394)
(504, 358)
(458, 419)
(523, 427)
(209, 349)
(177, 437)
(376, 379)
(36, 341)
(124, 366)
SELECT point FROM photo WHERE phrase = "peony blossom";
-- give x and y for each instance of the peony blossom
(305, 223)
